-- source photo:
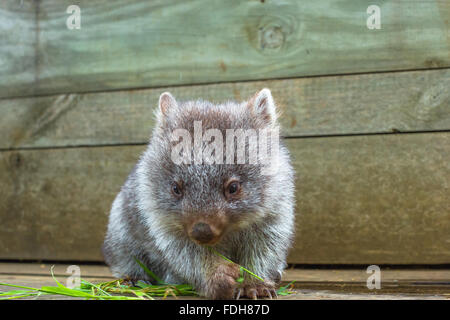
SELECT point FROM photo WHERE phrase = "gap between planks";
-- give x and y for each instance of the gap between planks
(430, 275)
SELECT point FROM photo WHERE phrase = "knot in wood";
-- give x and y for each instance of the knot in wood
(271, 37)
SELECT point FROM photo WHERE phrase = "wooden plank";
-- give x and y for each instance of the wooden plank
(388, 275)
(18, 41)
(50, 209)
(59, 269)
(379, 199)
(161, 43)
(335, 292)
(323, 288)
(386, 102)
(373, 199)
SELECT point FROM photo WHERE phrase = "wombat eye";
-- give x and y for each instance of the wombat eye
(176, 190)
(232, 188)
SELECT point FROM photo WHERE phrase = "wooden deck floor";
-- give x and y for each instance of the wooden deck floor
(311, 284)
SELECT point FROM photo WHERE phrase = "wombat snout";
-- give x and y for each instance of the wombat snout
(202, 233)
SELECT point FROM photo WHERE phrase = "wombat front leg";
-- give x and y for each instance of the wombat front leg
(268, 266)
(221, 281)
(221, 284)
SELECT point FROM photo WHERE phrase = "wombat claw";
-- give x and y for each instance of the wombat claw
(255, 292)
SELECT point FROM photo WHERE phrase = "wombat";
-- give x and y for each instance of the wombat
(171, 212)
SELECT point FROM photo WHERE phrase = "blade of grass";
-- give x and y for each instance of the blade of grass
(98, 288)
(61, 290)
(284, 291)
(54, 278)
(16, 294)
(150, 273)
(17, 286)
(19, 296)
(246, 270)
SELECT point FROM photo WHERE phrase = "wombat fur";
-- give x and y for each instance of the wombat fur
(167, 214)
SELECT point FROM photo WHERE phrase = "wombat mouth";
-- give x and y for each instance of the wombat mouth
(211, 243)
(205, 238)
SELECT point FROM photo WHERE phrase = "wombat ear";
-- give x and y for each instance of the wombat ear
(166, 102)
(263, 105)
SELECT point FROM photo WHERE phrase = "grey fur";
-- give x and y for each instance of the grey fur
(146, 220)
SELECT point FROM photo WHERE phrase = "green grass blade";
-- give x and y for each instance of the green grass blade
(17, 286)
(246, 270)
(54, 278)
(18, 296)
(97, 287)
(147, 271)
(14, 292)
(285, 291)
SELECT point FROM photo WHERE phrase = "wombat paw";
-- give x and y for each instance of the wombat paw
(255, 291)
(222, 283)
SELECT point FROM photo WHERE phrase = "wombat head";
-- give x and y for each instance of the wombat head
(203, 173)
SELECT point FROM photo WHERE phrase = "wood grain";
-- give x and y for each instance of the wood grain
(379, 199)
(336, 105)
(140, 44)
(18, 44)
(373, 199)
(55, 202)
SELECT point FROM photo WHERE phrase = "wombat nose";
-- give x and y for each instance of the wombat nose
(202, 232)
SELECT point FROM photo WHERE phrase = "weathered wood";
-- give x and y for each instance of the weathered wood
(18, 41)
(159, 43)
(388, 276)
(378, 199)
(56, 202)
(399, 101)
(362, 199)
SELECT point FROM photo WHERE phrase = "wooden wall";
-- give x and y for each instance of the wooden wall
(366, 115)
